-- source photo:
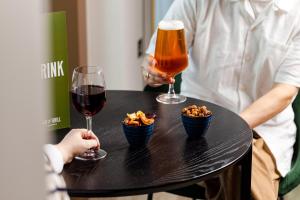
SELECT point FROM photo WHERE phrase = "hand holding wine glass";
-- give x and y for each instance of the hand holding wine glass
(76, 142)
(88, 97)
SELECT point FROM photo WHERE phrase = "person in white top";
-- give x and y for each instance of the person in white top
(76, 142)
(245, 56)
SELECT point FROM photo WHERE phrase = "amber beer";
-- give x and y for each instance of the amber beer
(170, 50)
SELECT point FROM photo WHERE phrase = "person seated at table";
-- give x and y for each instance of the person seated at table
(76, 142)
(244, 56)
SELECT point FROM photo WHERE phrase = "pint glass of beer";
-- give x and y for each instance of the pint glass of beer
(171, 56)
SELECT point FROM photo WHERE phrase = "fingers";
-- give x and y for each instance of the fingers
(172, 80)
(85, 134)
(151, 61)
(89, 135)
(151, 69)
(154, 77)
(90, 143)
(93, 136)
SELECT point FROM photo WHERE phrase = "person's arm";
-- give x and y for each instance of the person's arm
(269, 105)
(76, 142)
(286, 84)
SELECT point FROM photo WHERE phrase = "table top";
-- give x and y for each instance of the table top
(169, 161)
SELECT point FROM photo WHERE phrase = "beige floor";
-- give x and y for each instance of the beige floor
(294, 195)
(156, 196)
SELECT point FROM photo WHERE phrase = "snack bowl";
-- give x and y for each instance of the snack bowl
(138, 136)
(138, 128)
(196, 126)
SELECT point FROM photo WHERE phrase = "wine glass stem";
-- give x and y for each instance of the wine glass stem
(171, 91)
(89, 123)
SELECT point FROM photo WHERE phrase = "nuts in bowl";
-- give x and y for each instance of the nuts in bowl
(196, 120)
(138, 128)
(196, 111)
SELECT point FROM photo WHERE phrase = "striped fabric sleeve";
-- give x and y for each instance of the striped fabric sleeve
(56, 187)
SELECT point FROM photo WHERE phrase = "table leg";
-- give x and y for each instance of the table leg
(150, 196)
(246, 164)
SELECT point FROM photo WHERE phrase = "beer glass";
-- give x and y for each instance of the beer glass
(171, 56)
(88, 97)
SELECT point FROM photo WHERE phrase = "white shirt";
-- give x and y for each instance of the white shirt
(55, 157)
(254, 7)
(236, 58)
(53, 166)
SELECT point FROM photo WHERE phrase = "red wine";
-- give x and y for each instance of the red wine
(88, 99)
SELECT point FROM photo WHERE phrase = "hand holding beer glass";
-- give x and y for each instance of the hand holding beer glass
(171, 56)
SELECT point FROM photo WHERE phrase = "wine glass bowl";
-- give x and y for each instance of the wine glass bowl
(171, 56)
(88, 97)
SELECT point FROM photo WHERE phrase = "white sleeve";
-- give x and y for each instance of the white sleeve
(184, 10)
(55, 157)
(289, 70)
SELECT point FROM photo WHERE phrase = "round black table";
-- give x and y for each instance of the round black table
(170, 161)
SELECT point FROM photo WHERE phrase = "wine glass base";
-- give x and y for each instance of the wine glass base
(171, 98)
(92, 155)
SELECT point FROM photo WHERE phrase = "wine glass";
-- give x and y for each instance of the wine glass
(171, 56)
(88, 97)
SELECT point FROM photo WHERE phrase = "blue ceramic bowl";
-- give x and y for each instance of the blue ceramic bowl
(196, 126)
(138, 136)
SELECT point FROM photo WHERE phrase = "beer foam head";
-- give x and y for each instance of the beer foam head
(170, 25)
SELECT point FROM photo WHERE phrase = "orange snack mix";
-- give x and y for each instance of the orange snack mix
(138, 119)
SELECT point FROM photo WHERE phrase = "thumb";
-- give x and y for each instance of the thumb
(171, 80)
(91, 143)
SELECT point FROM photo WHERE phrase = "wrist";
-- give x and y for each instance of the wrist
(246, 118)
(67, 157)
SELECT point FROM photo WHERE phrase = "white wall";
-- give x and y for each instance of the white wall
(21, 101)
(161, 8)
(113, 30)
